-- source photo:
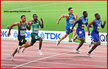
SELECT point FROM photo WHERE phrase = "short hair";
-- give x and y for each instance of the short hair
(96, 14)
(22, 16)
(34, 14)
(84, 12)
(69, 8)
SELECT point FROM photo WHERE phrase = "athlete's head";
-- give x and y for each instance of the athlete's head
(85, 14)
(70, 10)
(97, 16)
(35, 16)
(23, 18)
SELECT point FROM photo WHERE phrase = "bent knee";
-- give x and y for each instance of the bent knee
(82, 39)
(98, 43)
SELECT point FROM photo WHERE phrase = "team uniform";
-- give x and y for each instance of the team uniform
(95, 31)
(21, 33)
(69, 23)
(35, 31)
(80, 29)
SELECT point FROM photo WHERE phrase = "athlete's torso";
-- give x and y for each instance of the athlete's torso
(82, 23)
(97, 26)
(22, 29)
(70, 20)
(35, 27)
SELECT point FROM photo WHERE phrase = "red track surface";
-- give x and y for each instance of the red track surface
(53, 57)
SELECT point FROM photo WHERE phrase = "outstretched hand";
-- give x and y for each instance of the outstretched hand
(57, 22)
(41, 19)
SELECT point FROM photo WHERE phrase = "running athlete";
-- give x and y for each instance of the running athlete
(82, 21)
(35, 23)
(22, 25)
(69, 21)
(97, 25)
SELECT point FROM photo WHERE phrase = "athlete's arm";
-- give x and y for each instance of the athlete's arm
(15, 24)
(91, 23)
(76, 17)
(63, 16)
(79, 20)
(29, 24)
(86, 22)
(103, 25)
(41, 23)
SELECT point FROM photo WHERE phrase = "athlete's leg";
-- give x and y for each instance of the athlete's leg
(40, 46)
(95, 37)
(81, 37)
(40, 43)
(74, 33)
(15, 51)
(58, 42)
(95, 45)
(27, 44)
(63, 37)
(91, 44)
(81, 43)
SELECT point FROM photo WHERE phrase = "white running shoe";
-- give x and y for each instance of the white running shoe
(18, 49)
(77, 51)
(12, 57)
(40, 52)
(58, 42)
(89, 55)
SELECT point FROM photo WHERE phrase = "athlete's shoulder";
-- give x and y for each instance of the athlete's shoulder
(94, 21)
(16, 24)
(73, 14)
(65, 15)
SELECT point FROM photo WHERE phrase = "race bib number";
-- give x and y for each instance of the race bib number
(70, 27)
(36, 30)
(82, 26)
(22, 32)
(98, 28)
(71, 21)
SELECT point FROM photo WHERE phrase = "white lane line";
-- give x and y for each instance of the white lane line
(37, 60)
(16, 59)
